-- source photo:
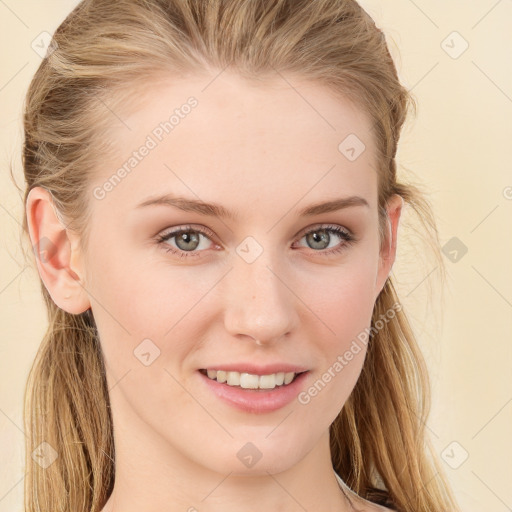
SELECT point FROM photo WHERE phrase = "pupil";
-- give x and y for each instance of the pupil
(319, 236)
(188, 239)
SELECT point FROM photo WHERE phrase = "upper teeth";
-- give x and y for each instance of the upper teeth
(250, 381)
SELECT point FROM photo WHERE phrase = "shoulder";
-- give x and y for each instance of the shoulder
(381, 508)
(368, 506)
(364, 505)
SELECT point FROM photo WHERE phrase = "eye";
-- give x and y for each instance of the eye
(320, 238)
(187, 240)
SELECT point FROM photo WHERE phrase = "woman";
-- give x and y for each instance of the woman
(212, 199)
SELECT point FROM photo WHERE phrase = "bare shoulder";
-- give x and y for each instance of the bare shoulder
(368, 506)
(380, 508)
(362, 505)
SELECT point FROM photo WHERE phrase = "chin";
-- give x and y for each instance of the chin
(259, 454)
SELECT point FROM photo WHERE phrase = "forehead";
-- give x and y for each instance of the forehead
(225, 138)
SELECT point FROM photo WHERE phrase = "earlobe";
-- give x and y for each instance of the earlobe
(54, 253)
(388, 253)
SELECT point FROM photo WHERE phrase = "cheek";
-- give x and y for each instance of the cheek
(343, 298)
(136, 300)
(343, 307)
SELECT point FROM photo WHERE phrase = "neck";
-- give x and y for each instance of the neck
(152, 478)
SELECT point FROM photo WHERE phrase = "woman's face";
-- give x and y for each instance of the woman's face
(252, 283)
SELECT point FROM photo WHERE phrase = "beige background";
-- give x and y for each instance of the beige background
(458, 146)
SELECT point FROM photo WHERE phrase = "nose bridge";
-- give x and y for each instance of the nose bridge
(260, 303)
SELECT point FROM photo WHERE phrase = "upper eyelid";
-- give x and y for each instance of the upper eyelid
(203, 230)
(186, 227)
(324, 225)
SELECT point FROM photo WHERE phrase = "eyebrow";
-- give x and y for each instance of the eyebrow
(216, 210)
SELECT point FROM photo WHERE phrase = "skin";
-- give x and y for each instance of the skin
(262, 151)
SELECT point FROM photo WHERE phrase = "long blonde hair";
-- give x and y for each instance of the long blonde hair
(100, 52)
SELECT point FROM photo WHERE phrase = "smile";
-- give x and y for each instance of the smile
(251, 381)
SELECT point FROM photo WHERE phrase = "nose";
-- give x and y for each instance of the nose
(260, 301)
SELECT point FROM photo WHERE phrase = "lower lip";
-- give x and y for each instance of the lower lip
(256, 400)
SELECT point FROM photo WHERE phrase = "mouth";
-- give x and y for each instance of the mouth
(245, 380)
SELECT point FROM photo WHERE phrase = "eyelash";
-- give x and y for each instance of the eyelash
(348, 238)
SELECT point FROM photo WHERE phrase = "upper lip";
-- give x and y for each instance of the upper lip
(257, 369)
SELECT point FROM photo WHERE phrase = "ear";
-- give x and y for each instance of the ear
(55, 251)
(388, 250)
